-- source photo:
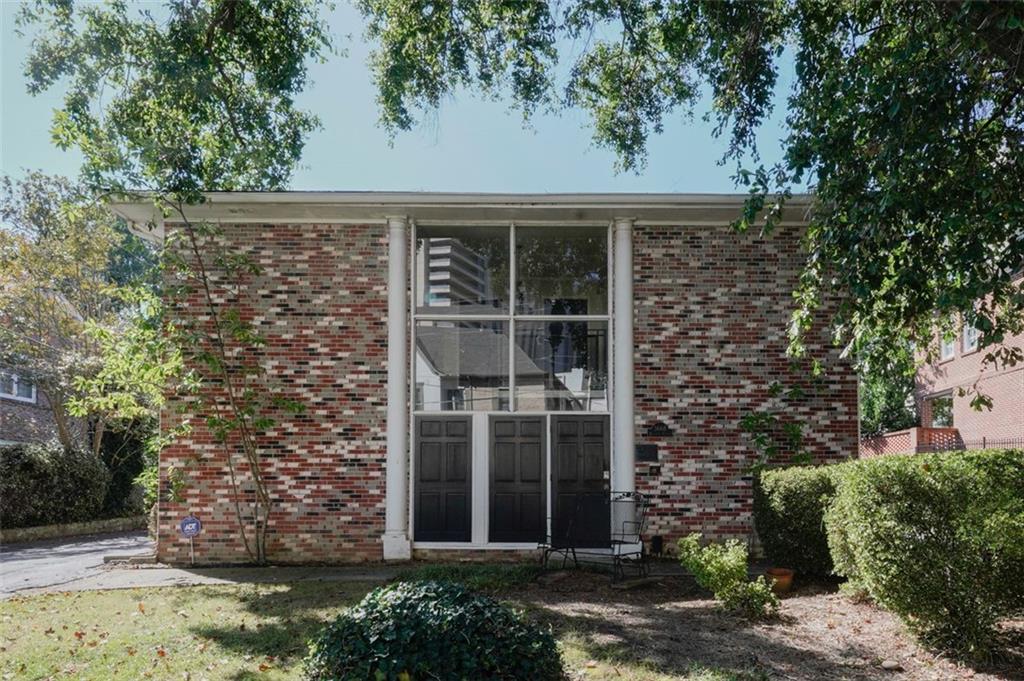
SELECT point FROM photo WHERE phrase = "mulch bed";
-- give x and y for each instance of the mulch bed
(674, 626)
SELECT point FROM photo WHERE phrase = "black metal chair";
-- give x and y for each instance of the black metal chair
(623, 546)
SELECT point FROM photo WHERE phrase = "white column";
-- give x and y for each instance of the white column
(396, 537)
(623, 446)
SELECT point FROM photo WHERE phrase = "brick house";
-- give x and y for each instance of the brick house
(468, 361)
(961, 366)
(25, 413)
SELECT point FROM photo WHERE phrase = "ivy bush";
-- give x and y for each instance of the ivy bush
(789, 513)
(722, 570)
(938, 539)
(48, 485)
(426, 630)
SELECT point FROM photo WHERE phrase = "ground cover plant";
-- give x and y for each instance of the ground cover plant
(419, 630)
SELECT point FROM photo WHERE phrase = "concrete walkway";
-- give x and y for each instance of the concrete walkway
(56, 563)
(119, 576)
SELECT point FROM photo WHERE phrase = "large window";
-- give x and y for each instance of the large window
(14, 387)
(477, 350)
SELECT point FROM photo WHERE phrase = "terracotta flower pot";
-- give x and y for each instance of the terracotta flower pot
(781, 579)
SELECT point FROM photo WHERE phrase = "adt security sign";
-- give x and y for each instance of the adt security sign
(190, 526)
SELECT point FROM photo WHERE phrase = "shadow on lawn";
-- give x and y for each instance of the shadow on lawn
(673, 629)
(283, 621)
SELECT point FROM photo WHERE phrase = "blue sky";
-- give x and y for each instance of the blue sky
(467, 145)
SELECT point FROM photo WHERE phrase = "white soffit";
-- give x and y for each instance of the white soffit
(375, 207)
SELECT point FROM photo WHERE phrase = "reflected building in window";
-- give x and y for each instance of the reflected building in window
(456, 272)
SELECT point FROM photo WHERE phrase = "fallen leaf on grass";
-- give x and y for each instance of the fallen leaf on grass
(160, 652)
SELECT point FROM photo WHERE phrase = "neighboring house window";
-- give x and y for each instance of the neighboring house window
(947, 348)
(14, 387)
(970, 342)
(941, 409)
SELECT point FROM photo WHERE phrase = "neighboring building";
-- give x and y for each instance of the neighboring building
(961, 366)
(470, 364)
(25, 414)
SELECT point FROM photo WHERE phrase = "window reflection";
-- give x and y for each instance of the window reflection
(462, 269)
(562, 270)
(568, 364)
(462, 366)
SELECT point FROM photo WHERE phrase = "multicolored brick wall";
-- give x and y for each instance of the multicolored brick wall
(711, 314)
(320, 301)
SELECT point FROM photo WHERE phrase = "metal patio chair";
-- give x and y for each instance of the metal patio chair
(623, 546)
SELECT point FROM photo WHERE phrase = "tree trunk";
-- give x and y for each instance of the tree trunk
(60, 419)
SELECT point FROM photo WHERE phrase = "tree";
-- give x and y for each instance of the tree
(65, 264)
(191, 97)
(905, 118)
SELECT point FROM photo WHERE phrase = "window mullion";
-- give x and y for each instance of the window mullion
(512, 406)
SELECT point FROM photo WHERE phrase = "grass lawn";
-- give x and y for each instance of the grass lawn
(226, 632)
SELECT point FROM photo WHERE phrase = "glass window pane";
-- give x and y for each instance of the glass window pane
(561, 270)
(462, 270)
(561, 366)
(462, 366)
(25, 388)
(6, 384)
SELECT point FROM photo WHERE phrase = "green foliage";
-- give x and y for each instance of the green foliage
(48, 485)
(476, 577)
(902, 227)
(416, 630)
(62, 278)
(195, 96)
(774, 433)
(124, 453)
(937, 539)
(886, 393)
(789, 513)
(722, 570)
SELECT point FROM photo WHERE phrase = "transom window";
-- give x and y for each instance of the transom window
(511, 318)
(14, 387)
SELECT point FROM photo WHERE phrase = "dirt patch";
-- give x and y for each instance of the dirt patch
(673, 626)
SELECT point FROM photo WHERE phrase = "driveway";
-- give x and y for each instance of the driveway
(58, 561)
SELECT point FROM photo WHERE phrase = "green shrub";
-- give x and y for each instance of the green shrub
(722, 570)
(426, 630)
(789, 512)
(938, 539)
(48, 485)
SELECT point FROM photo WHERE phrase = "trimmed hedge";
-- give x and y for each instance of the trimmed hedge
(48, 485)
(789, 513)
(937, 539)
(432, 630)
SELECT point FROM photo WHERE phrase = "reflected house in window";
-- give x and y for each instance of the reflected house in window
(463, 366)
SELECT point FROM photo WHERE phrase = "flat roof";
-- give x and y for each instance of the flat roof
(374, 207)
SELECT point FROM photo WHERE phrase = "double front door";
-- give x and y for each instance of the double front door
(518, 479)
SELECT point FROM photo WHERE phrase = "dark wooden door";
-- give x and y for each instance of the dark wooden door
(518, 510)
(443, 480)
(581, 502)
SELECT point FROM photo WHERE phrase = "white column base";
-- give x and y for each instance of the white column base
(397, 546)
